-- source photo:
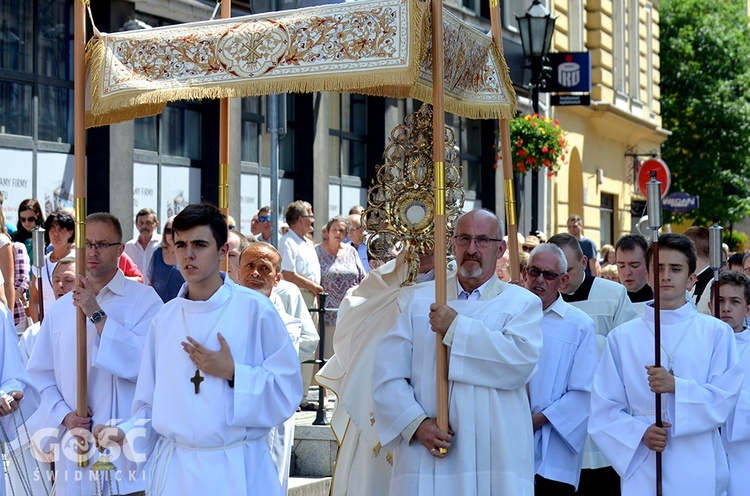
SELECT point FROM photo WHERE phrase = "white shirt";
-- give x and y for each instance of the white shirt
(298, 255)
(142, 256)
(561, 390)
(735, 435)
(114, 358)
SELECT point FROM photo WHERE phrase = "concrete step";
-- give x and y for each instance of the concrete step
(309, 486)
(315, 448)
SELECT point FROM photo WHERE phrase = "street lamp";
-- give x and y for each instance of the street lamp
(536, 28)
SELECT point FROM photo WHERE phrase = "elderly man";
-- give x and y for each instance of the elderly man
(357, 239)
(236, 242)
(141, 248)
(119, 312)
(300, 266)
(494, 341)
(260, 269)
(607, 303)
(560, 390)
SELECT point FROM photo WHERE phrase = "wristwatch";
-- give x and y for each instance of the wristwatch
(97, 316)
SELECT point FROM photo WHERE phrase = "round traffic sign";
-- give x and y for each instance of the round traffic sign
(662, 175)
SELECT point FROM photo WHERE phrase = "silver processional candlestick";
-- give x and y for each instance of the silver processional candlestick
(653, 188)
(37, 248)
(714, 255)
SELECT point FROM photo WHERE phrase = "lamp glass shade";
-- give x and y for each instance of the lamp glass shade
(536, 28)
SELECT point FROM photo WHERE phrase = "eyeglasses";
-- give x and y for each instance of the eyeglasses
(746, 270)
(167, 230)
(305, 216)
(264, 218)
(536, 271)
(480, 241)
(27, 219)
(231, 228)
(100, 246)
(527, 249)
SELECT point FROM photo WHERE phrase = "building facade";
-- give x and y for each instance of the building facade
(331, 143)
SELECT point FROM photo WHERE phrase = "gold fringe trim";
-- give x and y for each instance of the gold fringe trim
(394, 83)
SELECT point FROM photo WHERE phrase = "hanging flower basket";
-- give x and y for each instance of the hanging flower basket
(537, 143)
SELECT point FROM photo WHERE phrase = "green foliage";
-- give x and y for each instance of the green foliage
(705, 88)
(735, 240)
(537, 143)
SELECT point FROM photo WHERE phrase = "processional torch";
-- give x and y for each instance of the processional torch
(653, 188)
(37, 248)
(714, 254)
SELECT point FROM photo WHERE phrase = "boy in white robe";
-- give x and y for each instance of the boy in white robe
(494, 340)
(734, 305)
(560, 391)
(699, 382)
(200, 417)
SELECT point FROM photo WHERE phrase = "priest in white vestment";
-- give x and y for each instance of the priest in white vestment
(118, 313)
(699, 382)
(494, 342)
(560, 391)
(15, 383)
(200, 417)
(734, 304)
(365, 316)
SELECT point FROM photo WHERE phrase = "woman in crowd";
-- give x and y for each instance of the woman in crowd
(163, 272)
(60, 228)
(609, 257)
(29, 216)
(340, 269)
(7, 270)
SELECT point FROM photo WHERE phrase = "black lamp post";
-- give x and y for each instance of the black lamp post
(536, 28)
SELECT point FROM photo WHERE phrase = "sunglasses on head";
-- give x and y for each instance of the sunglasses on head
(264, 218)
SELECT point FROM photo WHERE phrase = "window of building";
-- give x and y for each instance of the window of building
(618, 17)
(650, 58)
(607, 218)
(347, 146)
(36, 63)
(175, 132)
(634, 51)
(512, 8)
(287, 155)
(468, 138)
(252, 120)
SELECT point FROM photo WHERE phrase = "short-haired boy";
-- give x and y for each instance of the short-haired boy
(699, 381)
(734, 305)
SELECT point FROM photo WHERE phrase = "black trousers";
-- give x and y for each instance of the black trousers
(599, 482)
(548, 487)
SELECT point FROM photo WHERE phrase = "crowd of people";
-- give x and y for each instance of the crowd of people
(198, 337)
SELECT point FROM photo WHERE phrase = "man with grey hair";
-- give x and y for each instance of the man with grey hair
(560, 390)
(607, 303)
(494, 340)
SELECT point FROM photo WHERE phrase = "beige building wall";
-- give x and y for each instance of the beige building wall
(623, 118)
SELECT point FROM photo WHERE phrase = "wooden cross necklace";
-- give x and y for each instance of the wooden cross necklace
(198, 378)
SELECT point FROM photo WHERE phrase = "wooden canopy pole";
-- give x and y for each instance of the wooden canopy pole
(226, 13)
(504, 126)
(79, 147)
(438, 157)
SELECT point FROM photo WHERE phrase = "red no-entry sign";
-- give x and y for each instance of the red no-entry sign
(662, 175)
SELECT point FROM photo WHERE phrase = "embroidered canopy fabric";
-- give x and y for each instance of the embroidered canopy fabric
(374, 47)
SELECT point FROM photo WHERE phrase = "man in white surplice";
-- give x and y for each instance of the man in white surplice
(494, 341)
(699, 382)
(119, 312)
(202, 417)
(560, 391)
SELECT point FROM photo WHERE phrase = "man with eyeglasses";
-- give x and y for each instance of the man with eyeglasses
(494, 340)
(118, 313)
(142, 247)
(560, 390)
(607, 303)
